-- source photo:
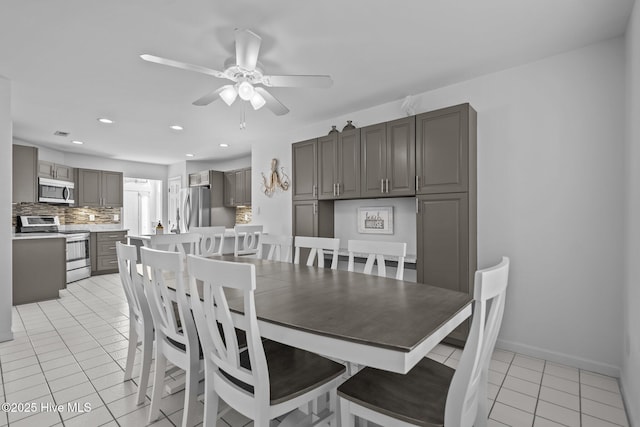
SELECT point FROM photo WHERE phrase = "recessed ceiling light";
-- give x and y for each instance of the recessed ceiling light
(77, 142)
(105, 121)
(224, 145)
(176, 127)
(189, 155)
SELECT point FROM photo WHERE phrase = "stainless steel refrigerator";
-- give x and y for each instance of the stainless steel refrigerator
(195, 208)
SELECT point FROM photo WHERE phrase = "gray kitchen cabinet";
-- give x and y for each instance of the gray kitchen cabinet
(327, 147)
(339, 165)
(99, 188)
(312, 218)
(444, 138)
(446, 226)
(247, 187)
(229, 189)
(55, 171)
(33, 284)
(304, 178)
(103, 251)
(237, 188)
(388, 159)
(25, 181)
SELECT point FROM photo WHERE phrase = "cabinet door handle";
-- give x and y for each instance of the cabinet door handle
(417, 206)
(315, 208)
(417, 182)
(314, 190)
(338, 186)
(382, 185)
(387, 186)
(334, 189)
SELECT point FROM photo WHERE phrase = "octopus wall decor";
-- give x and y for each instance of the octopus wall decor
(277, 179)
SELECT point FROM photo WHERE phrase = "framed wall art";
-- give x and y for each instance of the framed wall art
(375, 220)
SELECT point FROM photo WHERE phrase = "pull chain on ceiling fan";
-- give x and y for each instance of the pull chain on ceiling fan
(246, 74)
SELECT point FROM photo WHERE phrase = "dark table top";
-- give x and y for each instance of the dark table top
(372, 310)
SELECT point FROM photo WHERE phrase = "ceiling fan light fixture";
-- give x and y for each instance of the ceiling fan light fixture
(257, 101)
(229, 94)
(245, 90)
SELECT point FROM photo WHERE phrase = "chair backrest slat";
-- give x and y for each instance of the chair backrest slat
(465, 393)
(317, 245)
(221, 343)
(161, 269)
(376, 252)
(127, 258)
(279, 247)
(247, 239)
(212, 239)
(186, 243)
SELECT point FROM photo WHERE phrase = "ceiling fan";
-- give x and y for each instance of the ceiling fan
(247, 76)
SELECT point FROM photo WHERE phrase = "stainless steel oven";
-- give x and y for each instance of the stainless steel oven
(78, 257)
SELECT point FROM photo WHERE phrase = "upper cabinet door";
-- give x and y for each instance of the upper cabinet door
(401, 145)
(304, 179)
(46, 169)
(230, 189)
(112, 189)
(327, 166)
(348, 179)
(373, 143)
(89, 187)
(239, 188)
(25, 166)
(64, 173)
(247, 187)
(442, 149)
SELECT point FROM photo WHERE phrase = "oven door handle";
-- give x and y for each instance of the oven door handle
(65, 193)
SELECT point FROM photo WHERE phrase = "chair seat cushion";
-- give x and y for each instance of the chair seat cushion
(292, 372)
(419, 397)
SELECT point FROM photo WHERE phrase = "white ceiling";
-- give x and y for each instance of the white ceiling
(72, 61)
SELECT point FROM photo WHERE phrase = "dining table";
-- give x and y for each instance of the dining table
(363, 319)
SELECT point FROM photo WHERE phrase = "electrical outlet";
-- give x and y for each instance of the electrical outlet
(92, 217)
(116, 217)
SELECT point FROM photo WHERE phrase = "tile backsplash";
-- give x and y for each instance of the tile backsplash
(243, 215)
(67, 215)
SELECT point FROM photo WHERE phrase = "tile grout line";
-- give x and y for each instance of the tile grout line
(101, 346)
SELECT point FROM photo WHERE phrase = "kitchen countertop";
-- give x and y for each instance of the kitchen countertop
(25, 236)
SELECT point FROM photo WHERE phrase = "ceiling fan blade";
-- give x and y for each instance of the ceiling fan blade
(247, 49)
(209, 97)
(297, 81)
(183, 65)
(272, 103)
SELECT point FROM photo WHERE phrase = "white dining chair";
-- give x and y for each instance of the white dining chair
(376, 251)
(175, 333)
(212, 239)
(140, 319)
(317, 245)
(247, 239)
(185, 243)
(267, 380)
(431, 393)
(278, 248)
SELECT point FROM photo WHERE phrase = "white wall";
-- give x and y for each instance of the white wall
(404, 221)
(631, 355)
(6, 171)
(550, 196)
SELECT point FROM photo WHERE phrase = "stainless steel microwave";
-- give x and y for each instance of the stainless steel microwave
(55, 191)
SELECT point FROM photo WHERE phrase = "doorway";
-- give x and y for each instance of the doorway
(142, 205)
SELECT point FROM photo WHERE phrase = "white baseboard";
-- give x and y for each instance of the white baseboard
(562, 358)
(6, 336)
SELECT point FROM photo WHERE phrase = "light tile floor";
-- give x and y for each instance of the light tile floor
(73, 350)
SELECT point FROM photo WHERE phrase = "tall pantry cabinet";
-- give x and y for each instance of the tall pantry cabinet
(310, 216)
(446, 201)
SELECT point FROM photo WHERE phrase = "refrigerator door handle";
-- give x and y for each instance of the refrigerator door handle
(187, 211)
